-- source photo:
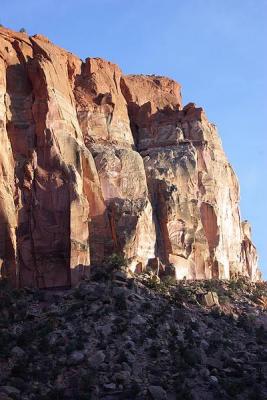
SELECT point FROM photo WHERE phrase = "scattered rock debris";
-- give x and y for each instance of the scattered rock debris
(118, 336)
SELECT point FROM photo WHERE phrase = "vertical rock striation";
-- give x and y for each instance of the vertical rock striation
(94, 162)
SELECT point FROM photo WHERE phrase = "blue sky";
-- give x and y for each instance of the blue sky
(216, 49)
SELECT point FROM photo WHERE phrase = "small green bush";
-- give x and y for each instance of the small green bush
(116, 261)
(239, 283)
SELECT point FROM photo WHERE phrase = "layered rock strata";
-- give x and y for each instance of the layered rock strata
(94, 162)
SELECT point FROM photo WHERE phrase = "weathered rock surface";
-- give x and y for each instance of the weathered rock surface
(94, 162)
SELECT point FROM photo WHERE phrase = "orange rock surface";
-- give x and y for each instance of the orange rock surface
(94, 162)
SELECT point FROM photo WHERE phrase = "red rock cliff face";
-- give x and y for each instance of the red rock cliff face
(94, 162)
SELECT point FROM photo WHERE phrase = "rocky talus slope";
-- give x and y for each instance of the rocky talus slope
(94, 162)
(120, 336)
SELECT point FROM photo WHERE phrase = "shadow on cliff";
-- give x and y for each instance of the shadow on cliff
(7, 252)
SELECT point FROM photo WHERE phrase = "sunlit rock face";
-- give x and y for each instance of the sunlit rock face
(193, 189)
(94, 162)
(103, 117)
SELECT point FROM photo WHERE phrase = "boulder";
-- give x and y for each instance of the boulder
(157, 393)
(211, 299)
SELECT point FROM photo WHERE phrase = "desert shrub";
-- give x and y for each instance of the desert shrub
(170, 280)
(211, 285)
(22, 30)
(224, 299)
(153, 283)
(259, 294)
(116, 261)
(239, 283)
(183, 293)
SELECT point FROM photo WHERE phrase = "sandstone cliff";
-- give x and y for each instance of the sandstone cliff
(94, 162)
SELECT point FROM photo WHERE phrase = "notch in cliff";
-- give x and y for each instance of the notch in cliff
(94, 162)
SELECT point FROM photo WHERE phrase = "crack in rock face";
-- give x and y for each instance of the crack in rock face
(94, 162)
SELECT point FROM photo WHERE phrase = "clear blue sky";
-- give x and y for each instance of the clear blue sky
(216, 49)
